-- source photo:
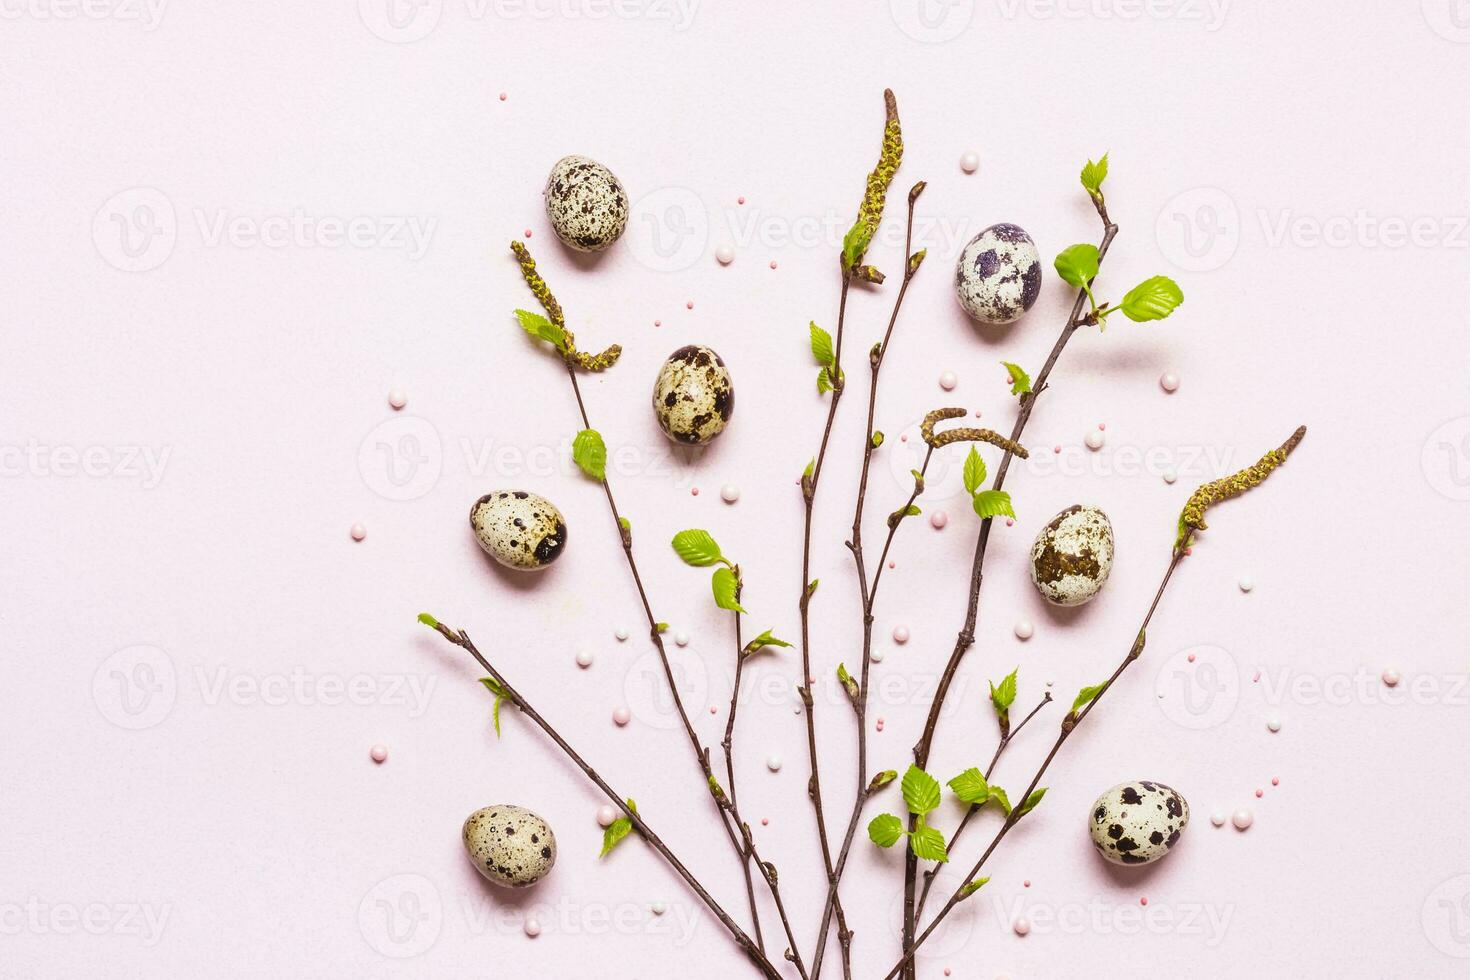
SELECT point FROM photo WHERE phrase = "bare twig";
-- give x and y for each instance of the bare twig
(461, 639)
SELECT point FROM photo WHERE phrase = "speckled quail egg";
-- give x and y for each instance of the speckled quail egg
(509, 845)
(1072, 556)
(586, 204)
(998, 276)
(693, 396)
(520, 530)
(1137, 822)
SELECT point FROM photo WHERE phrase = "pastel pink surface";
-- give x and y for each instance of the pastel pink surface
(195, 657)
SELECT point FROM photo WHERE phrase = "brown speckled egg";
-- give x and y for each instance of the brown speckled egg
(585, 203)
(520, 530)
(509, 845)
(1072, 556)
(693, 396)
(1137, 822)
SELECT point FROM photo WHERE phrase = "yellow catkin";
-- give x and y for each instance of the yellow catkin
(938, 439)
(871, 211)
(543, 294)
(1193, 517)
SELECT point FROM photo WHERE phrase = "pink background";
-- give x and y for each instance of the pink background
(197, 658)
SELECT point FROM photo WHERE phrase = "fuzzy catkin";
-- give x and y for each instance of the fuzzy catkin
(1193, 517)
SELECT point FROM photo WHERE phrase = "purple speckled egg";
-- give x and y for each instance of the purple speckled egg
(998, 276)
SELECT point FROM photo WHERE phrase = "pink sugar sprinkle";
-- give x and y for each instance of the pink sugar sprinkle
(504, 96)
(1275, 780)
(689, 305)
(1056, 449)
(773, 263)
(1190, 658)
(1143, 900)
(693, 491)
(740, 200)
(1260, 793)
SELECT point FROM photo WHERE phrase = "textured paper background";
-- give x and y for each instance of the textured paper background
(196, 658)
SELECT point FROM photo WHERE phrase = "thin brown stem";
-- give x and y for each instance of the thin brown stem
(762, 963)
(728, 745)
(728, 815)
(975, 808)
(966, 637)
(868, 594)
(809, 496)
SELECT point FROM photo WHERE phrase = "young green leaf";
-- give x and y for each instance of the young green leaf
(881, 779)
(616, 831)
(429, 621)
(494, 687)
(1152, 299)
(877, 439)
(849, 684)
(927, 843)
(763, 641)
(811, 465)
(824, 380)
(661, 627)
(1005, 695)
(971, 887)
(821, 345)
(696, 547)
(1087, 694)
(885, 829)
(1001, 800)
(724, 584)
(993, 503)
(974, 471)
(970, 786)
(855, 244)
(1094, 174)
(1077, 264)
(920, 791)
(1020, 380)
(1030, 803)
(542, 329)
(590, 453)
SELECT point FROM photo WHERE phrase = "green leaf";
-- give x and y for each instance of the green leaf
(971, 887)
(724, 584)
(848, 683)
(1005, 695)
(920, 791)
(927, 843)
(885, 829)
(428, 621)
(993, 503)
(811, 465)
(823, 384)
(1152, 299)
(696, 547)
(855, 244)
(821, 345)
(1087, 694)
(1001, 800)
(715, 789)
(1020, 380)
(912, 510)
(1030, 803)
(974, 471)
(542, 329)
(590, 453)
(877, 439)
(496, 689)
(1094, 174)
(763, 641)
(970, 786)
(661, 627)
(1077, 264)
(882, 779)
(616, 831)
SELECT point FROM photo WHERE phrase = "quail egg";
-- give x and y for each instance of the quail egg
(998, 276)
(1137, 822)
(585, 203)
(694, 396)
(1072, 556)
(509, 845)
(520, 530)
